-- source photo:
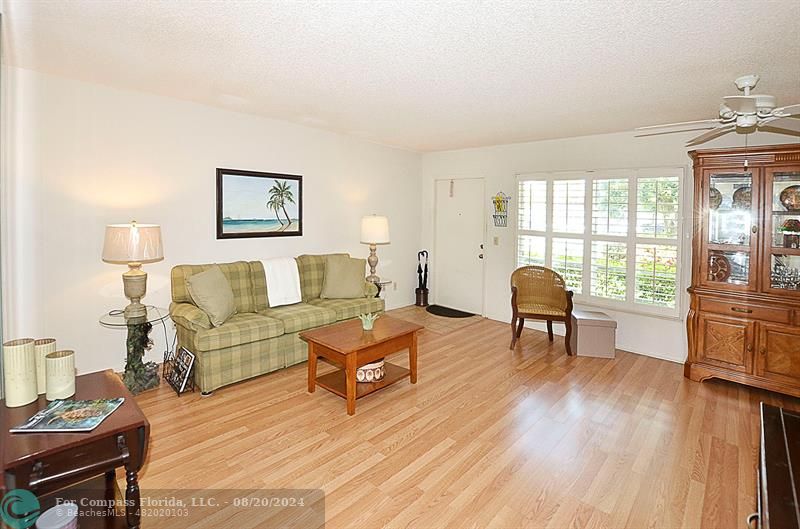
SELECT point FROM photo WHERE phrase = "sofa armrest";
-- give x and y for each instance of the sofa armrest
(188, 316)
(370, 289)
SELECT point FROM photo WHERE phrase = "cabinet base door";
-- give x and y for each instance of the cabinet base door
(725, 342)
(779, 353)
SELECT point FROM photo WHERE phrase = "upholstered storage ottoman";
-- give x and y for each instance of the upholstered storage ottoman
(593, 334)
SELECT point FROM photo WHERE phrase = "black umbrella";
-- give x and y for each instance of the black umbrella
(425, 276)
(419, 268)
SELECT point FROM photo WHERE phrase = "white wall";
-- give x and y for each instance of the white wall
(81, 156)
(499, 165)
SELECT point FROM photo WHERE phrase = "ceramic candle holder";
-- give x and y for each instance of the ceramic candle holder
(43, 347)
(19, 372)
(60, 367)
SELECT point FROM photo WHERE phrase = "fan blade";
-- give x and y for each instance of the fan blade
(711, 134)
(780, 130)
(784, 124)
(668, 125)
(783, 112)
(741, 104)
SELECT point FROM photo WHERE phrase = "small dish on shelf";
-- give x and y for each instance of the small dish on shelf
(791, 225)
(714, 198)
(790, 198)
(742, 197)
(719, 268)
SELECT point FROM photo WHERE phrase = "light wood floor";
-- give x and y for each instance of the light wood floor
(487, 438)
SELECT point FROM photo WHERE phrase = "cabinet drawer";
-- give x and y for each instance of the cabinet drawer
(79, 462)
(746, 310)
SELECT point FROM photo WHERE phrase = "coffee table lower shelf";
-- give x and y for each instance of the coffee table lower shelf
(335, 382)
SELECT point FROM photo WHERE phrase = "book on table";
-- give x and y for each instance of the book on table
(66, 416)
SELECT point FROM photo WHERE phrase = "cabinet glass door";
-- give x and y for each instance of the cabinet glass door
(783, 224)
(731, 230)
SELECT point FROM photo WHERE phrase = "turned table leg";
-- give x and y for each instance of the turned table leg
(132, 500)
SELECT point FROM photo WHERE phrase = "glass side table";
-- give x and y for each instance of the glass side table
(383, 287)
(139, 375)
(116, 318)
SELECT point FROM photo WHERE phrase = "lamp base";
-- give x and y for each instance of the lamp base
(372, 261)
(134, 282)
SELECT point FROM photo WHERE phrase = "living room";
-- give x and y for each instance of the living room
(121, 111)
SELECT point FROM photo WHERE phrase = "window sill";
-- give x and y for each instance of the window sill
(668, 314)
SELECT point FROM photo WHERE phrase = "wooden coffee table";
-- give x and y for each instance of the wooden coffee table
(346, 344)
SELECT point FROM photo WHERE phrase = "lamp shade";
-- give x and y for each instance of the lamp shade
(133, 243)
(375, 230)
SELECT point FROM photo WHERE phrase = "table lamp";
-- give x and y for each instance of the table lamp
(374, 231)
(133, 244)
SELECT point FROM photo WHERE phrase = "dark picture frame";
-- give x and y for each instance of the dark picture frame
(258, 204)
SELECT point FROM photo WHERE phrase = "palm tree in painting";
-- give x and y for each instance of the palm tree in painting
(274, 204)
(281, 193)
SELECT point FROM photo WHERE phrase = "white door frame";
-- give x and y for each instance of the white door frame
(435, 260)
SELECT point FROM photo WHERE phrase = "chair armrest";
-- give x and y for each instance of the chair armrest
(188, 316)
(370, 289)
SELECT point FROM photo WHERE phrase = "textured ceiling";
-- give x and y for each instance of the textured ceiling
(424, 74)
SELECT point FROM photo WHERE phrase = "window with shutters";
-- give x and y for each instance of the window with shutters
(613, 235)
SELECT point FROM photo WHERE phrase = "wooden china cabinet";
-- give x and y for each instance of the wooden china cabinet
(744, 318)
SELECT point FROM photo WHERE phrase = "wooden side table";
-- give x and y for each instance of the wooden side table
(45, 462)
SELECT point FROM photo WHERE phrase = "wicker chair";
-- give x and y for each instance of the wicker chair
(539, 293)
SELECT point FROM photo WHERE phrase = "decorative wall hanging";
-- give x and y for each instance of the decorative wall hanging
(500, 216)
(253, 204)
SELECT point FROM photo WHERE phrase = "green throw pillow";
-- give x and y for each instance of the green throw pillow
(212, 293)
(344, 277)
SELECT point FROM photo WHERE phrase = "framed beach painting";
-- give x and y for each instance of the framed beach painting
(253, 204)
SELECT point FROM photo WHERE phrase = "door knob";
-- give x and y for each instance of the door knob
(480, 256)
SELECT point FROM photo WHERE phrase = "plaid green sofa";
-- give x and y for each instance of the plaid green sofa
(257, 339)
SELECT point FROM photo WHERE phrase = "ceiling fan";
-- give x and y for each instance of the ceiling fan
(746, 112)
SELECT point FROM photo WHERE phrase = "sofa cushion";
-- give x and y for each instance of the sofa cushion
(211, 292)
(238, 275)
(239, 329)
(344, 278)
(259, 279)
(301, 316)
(346, 309)
(312, 274)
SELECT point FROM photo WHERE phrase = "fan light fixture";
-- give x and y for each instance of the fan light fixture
(748, 111)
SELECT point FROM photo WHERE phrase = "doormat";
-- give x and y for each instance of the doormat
(438, 310)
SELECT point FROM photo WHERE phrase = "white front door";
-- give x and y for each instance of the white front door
(459, 237)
